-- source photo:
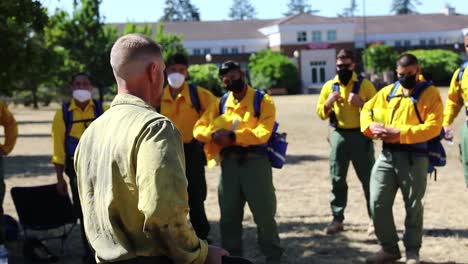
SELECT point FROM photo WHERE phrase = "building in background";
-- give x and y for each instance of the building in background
(312, 41)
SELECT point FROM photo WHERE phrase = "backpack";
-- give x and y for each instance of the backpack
(459, 78)
(277, 144)
(194, 97)
(70, 142)
(435, 149)
(336, 88)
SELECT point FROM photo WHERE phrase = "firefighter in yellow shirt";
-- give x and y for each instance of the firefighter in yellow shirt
(246, 173)
(404, 124)
(340, 101)
(11, 134)
(458, 98)
(68, 125)
(183, 104)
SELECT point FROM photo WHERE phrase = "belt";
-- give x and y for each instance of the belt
(403, 148)
(339, 129)
(243, 152)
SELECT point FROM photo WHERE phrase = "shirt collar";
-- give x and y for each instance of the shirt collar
(231, 101)
(73, 105)
(354, 78)
(128, 99)
(183, 93)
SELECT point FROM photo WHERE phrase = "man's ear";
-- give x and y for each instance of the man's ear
(151, 71)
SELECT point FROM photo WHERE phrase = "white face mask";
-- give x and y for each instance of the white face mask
(81, 95)
(176, 80)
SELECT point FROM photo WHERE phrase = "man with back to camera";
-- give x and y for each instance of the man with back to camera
(131, 170)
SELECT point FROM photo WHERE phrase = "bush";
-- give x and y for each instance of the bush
(380, 58)
(206, 76)
(437, 65)
(269, 69)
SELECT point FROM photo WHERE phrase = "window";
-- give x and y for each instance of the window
(206, 51)
(196, 52)
(316, 36)
(235, 50)
(301, 36)
(397, 43)
(224, 51)
(407, 43)
(432, 42)
(422, 42)
(331, 35)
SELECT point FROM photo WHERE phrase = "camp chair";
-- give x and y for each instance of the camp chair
(41, 208)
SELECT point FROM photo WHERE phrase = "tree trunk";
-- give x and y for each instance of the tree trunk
(34, 96)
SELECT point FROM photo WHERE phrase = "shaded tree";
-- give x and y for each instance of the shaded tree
(180, 10)
(241, 10)
(404, 7)
(299, 7)
(20, 22)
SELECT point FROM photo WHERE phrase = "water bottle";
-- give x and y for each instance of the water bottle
(450, 136)
(3, 255)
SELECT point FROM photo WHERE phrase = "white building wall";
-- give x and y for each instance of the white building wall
(215, 46)
(344, 33)
(310, 57)
(440, 38)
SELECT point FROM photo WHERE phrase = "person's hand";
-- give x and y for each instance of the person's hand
(222, 137)
(448, 133)
(333, 97)
(215, 255)
(62, 187)
(390, 133)
(377, 129)
(355, 100)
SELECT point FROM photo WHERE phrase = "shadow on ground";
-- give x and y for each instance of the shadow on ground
(27, 166)
(297, 159)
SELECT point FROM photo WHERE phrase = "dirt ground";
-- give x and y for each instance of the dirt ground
(302, 189)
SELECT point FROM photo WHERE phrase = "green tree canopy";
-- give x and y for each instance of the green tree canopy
(241, 10)
(206, 76)
(349, 11)
(437, 65)
(270, 69)
(380, 58)
(299, 7)
(180, 10)
(21, 21)
(404, 7)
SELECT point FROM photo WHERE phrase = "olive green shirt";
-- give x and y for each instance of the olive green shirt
(132, 186)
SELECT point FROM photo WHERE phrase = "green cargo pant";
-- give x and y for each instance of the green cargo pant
(346, 146)
(248, 180)
(195, 172)
(2, 196)
(408, 172)
(464, 150)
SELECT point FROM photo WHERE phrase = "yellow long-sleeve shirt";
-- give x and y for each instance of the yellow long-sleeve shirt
(250, 129)
(11, 128)
(457, 97)
(399, 113)
(181, 110)
(347, 115)
(77, 129)
(132, 186)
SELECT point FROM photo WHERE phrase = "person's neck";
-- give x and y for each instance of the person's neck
(82, 105)
(175, 91)
(240, 95)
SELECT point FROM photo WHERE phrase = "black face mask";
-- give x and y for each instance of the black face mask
(345, 75)
(409, 82)
(236, 86)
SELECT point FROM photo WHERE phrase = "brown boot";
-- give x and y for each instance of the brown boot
(334, 227)
(382, 257)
